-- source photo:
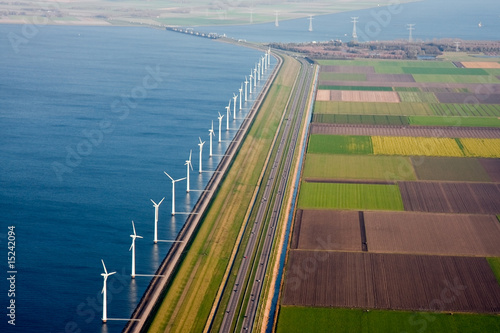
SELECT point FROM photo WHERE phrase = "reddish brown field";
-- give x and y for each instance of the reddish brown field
(480, 64)
(326, 230)
(398, 130)
(472, 198)
(390, 281)
(492, 167)
(370, 96)
(427, 233)
(348, 69)
(389, 78)
(467, 98)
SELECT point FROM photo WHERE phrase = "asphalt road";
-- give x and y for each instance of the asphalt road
(245, 293)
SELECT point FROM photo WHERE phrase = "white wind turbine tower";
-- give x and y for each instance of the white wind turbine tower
(228, 112)
(255, 77)
(132, 248)
(251, 77)
(201, 151)
(258, 71)
(220, 125)
(173, 190)
(103, 292)
(235, 97)
(269, 57)
(265, 60)
(210, 134)
(156, 205)
(241, 90)
(246, 89)
(262, 66)
(188, 165)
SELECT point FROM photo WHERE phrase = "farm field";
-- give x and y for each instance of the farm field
(399, 201)
(349, 196)
(390, 281)
(426, 233)
(314, 319)
(448, 197)
(327, 230)
(387, 168)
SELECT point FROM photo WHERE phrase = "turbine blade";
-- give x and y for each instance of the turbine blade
(154, 203)
(133, 226)
(190, 153)
(111, 273)
(161, 201)
(105, 271)
(168, 175)
(178, 180)
(140, 237)
(131, 246)
(200, 139)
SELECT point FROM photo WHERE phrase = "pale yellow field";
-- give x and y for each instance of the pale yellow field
(480, 64)
(415, 146)
(481, 147)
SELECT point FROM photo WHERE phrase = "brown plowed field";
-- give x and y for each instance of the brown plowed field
(473, 198)
(348, 69)
(487, 87)
(428, 233)
(326, 230)
(370, 96)
(492, 167)
(467, 98)
(329, 95)
(390, 281)
(480, 64)
(397, 130)
(389, 78)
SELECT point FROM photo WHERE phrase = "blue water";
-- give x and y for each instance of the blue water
(432, 19)
(90, 117)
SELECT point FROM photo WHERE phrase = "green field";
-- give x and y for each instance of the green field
(444, 71)
(359, 119)
(339, 144)
(324, 76)
(414, 89)
(417, 97)
(454, 121)
(355, 88)
(455, 78)
(322, 166)
(466, 110)
(495, 267)
(349, 196)
(306, 319)
(365, 108)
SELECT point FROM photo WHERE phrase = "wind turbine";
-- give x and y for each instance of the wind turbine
(241, 90)
(173, 190)
(156, 205)
(235, 97)
(210, 134)
(269, 57)
(132, 248)
(246, 88)
(259, 66)
(255, 77)
(251, 77)
(103, 292)
(188, 164)
(262, 66)
(228, 112)
(201, 150)
(220, 124)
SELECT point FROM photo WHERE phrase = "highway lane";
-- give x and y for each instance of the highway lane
(151, 299)
(246, 291)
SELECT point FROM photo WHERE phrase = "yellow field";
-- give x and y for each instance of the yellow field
(481, 147)
(480, 64)
(415, 146)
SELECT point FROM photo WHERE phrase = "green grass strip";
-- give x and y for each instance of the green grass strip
(445, 71)
(307, 319)
(454, 121)
(340, 144)
(359, 119)
(409, 89)
(356, 88)
(495, 266)
(350, 196)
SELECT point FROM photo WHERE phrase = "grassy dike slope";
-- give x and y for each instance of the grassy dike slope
(189, 299)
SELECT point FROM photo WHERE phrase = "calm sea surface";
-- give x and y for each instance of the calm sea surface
(90, 117)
